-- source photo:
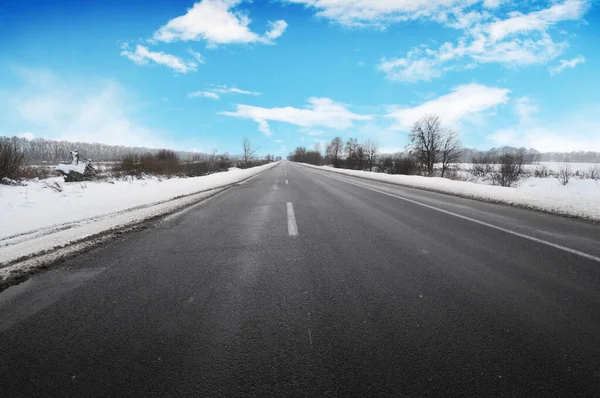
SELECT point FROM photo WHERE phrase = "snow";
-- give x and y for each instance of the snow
(66, 168)
(50, 213)
(579, 198)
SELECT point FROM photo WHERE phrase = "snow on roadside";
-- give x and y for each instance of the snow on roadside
(579, 198)
(37, 217)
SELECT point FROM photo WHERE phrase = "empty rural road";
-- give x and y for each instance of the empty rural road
(302, 282)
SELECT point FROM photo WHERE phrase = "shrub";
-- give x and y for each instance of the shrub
(541, 171)
(564, 173)
(594, 172)
(481, 166)
(11, 159)
(30, 172)
(508, 170)
(399, 164)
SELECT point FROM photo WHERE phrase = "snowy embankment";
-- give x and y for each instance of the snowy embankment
(47, 214)
(580, 198)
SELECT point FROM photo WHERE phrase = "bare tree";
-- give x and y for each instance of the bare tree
(432, 144)
(451, 152)
(248, 151)
(352, 154)
(334, 151)
(426, 142)
(371, 149)
(564, 173)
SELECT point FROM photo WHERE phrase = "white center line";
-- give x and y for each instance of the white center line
(286, 181)
(508, 231)
(292, 227)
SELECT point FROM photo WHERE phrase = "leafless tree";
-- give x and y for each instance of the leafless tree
(432, 144)
(450, 152)
(564, 173)
(248, 151)
(334, 151)
(351, 150)
(425, 139)
(371, 149)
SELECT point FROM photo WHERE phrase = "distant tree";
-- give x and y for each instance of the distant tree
(351, 151)
(249, 152)
(450, 150)
(371, 149)
(425, 138)
(302, 155)
(334, 151)
(431, 144)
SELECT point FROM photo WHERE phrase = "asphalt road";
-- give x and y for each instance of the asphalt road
(321, 285)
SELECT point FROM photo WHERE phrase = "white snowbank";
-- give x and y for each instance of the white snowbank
(40, 216)
(579, 198)
(66, 168)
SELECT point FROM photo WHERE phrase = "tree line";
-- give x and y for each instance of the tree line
(40, 150)
(433, 151)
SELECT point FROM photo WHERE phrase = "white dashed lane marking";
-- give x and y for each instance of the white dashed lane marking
(291, 218)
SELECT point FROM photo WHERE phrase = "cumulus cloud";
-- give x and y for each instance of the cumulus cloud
(462, 102)
(564, 63)
(142, 56)
(217, 22)
(517, 40)
(322, 112)
(358, 13)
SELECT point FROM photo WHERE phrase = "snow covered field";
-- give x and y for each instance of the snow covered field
(49, 213)
(579, 198)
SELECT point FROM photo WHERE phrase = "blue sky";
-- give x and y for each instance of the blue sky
(200, 76)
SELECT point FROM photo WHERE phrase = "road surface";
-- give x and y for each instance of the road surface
(301, 282)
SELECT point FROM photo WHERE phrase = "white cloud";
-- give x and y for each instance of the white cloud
(577, 131)
(574, 131)
(563, 64)
(537, 20)
(411, 69)
(205, 94)
(357, 13)
(216, 90)
(320, 112)
(197, 56)
(142, 55)
(27, 135)
(279, 141)
(217, 22)
(76, 110)
(515, 41)
(276, 29)
(224, 89)
(525, 108)
(462, 102)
